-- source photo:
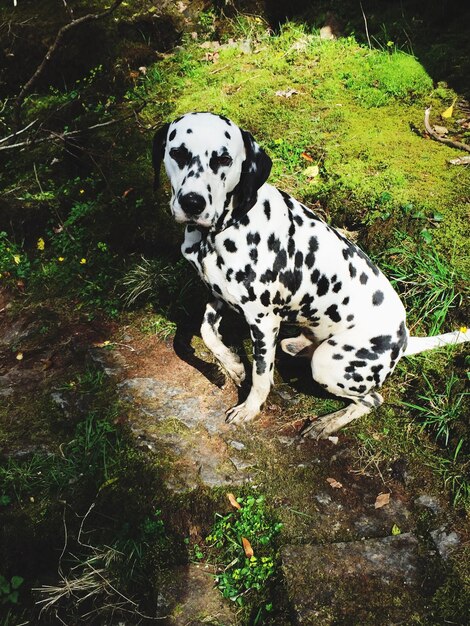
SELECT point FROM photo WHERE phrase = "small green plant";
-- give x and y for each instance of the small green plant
(242, 543)
(9, 589)
(14, 264)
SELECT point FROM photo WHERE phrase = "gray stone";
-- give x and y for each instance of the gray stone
(428, 502)
(445, 542)
(188, 429)
(370, 582)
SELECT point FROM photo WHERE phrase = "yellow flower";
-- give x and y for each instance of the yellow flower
(60, 259)
(40, 244)
(16, 258)
(82, 261)
(463, 329)
(82, 191)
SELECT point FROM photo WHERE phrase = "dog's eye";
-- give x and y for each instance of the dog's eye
(181, 155)
(224, 160)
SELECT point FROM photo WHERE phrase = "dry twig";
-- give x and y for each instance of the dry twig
(432, 133)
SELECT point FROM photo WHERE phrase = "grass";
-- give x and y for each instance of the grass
(439, 410)
(426, 281)
(67, 504)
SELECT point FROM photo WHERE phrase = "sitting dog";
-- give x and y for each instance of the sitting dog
(274, 260)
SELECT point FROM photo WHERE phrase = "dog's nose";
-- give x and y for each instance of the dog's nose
(192, 203)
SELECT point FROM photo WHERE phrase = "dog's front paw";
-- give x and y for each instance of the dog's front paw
(241, 413)
(236, 370)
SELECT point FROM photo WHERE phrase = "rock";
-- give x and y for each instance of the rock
(189, 430)
(428, 502)
(445, 542)
(369, 582)
(189, 598)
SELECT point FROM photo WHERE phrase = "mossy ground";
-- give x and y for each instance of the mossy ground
(354, 112)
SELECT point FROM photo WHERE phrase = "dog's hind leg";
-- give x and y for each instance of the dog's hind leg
(211, 337)
(351, 367)
(325, 426)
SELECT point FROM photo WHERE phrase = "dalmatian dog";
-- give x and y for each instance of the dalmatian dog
(274, 260)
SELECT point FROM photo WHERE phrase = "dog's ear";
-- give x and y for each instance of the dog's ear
(158, 150)
(255, 171)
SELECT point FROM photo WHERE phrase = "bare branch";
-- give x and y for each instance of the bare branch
(19, 132)
(54, 47)
(449, 142)
(365, 24)
(65, 134)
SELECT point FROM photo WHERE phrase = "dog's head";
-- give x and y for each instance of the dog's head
(215, 168)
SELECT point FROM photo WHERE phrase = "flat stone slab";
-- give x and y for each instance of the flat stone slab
(189, 598)
(370, 582)
(188, 428)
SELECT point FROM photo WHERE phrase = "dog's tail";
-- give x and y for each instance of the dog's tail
(420, 344)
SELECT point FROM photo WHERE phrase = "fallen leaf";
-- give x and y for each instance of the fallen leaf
(127, 192)
(307, 157)
(382, 500)
(440, 130)
(233, 501)
(465, 160)
(47, 364)
(449, 111)
(333, 439)
(311, 172)
(396, 530)
(102, 344)
(247, 547)
(287, 94)
(19, 356)
(334, 483)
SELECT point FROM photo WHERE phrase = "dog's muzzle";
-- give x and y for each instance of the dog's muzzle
(192, 204)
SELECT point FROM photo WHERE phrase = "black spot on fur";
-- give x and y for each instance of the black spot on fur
(172, 135)
(312, 248)
(323, 285)
(381, 344)
(337, 287)
(273, 243)
(352, 270)
(315, 276)
(253, 239)
(265, 298)
(338, 357)
(333, 314)
(364, 353)
(230, 246)
(359, 389)
(377, 298)
(348, 348)
(267, 209)
(363, 278)
(280, 261)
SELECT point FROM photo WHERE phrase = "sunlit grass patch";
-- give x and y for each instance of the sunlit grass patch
(427, 282)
